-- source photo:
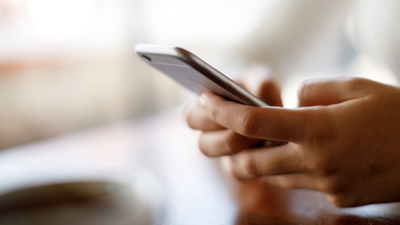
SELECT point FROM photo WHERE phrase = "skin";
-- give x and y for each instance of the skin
(343, 139)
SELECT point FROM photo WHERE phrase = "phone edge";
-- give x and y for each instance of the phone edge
(202, 67)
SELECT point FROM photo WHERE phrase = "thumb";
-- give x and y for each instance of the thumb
(330, 91)
(271, 123)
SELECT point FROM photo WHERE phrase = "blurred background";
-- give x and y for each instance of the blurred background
(67, 65)
(68, 69)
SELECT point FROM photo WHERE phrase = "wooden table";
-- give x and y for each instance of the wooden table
(151, 172)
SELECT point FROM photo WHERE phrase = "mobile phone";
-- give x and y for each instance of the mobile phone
(194, 74)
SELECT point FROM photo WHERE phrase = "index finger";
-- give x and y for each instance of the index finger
(272, 123)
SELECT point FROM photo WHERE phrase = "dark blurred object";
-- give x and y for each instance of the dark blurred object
(75, 203)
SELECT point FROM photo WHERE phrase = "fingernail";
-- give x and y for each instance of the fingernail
(202, 100)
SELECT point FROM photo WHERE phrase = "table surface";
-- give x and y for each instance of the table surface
(69, 180)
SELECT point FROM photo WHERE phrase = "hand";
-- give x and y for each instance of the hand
(260, 82)
(343, 140)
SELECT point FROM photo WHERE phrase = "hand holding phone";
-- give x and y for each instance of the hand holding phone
(199, 77)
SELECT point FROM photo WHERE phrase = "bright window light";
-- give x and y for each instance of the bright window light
(61, 20)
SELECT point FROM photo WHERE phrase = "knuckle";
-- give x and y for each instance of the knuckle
(236, 174)
(233, 169)
(356, 84)
(248, 123)
(355, 81)
(229, 143)
(249, 165)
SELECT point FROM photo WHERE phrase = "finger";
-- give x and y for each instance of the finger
(256, 162)
(294, 180)
(329, 91)
(224, 142)
(272, 123)
(328, 185)
(260, 82)
(197, 118)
